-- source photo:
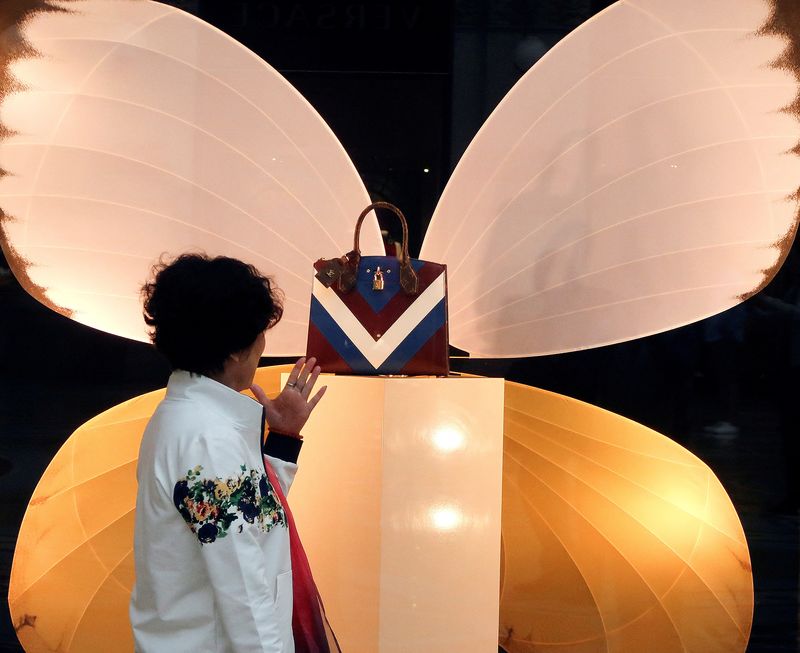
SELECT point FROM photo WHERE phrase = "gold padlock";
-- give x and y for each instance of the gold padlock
(377, 280)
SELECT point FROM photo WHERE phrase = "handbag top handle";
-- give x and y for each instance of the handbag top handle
(343, 271)
(409, 281)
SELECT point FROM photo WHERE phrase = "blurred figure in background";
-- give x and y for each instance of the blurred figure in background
(723, 336)
(779, 306)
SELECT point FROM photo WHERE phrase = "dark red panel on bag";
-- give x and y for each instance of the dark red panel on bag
(327, 357)
(425, 360)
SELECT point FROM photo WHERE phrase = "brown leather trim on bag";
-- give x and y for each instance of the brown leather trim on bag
(337, 271)
(408, 277)
(344, 270)
(329, 270)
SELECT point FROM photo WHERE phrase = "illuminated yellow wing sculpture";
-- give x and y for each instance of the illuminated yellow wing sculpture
(73, 566)
(669, 200)
(614, 537)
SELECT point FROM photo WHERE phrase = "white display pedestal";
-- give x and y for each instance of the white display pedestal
(397, 501)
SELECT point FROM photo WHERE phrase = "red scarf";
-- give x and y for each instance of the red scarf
(312, 632)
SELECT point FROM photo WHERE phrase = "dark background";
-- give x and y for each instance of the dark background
(405, 85)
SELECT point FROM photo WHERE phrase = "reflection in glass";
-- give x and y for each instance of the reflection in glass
(448, 438)
(445, 517)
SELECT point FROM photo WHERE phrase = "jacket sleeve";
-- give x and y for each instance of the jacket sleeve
(224, 503)
(282, 452)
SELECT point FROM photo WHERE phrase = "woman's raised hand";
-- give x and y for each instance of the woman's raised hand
(289, 411)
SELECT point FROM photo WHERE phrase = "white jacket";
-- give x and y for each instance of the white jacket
(213, 568)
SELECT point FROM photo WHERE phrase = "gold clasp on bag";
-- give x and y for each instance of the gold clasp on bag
(377, 280)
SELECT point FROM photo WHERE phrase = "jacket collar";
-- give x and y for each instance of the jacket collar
(229, 404)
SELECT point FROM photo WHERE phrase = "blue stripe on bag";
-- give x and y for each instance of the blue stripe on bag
(337, 338)
(423, 332)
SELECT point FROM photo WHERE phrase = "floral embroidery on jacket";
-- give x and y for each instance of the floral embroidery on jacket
(211, 506)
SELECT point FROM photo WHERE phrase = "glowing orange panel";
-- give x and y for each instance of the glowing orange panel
(412, 467)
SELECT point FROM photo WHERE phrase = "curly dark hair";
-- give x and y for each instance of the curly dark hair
(200, 310)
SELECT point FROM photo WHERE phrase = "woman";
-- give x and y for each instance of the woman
(212, 538)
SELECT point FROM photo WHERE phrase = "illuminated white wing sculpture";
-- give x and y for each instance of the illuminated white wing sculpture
(642, 168)
(139, 130)
(638, 178)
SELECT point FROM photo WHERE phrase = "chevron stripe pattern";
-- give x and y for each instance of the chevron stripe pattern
(368, 331)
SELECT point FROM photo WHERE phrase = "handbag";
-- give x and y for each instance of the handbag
(379, 314)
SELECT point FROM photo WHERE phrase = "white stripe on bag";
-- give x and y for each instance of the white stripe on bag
(377, 351)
